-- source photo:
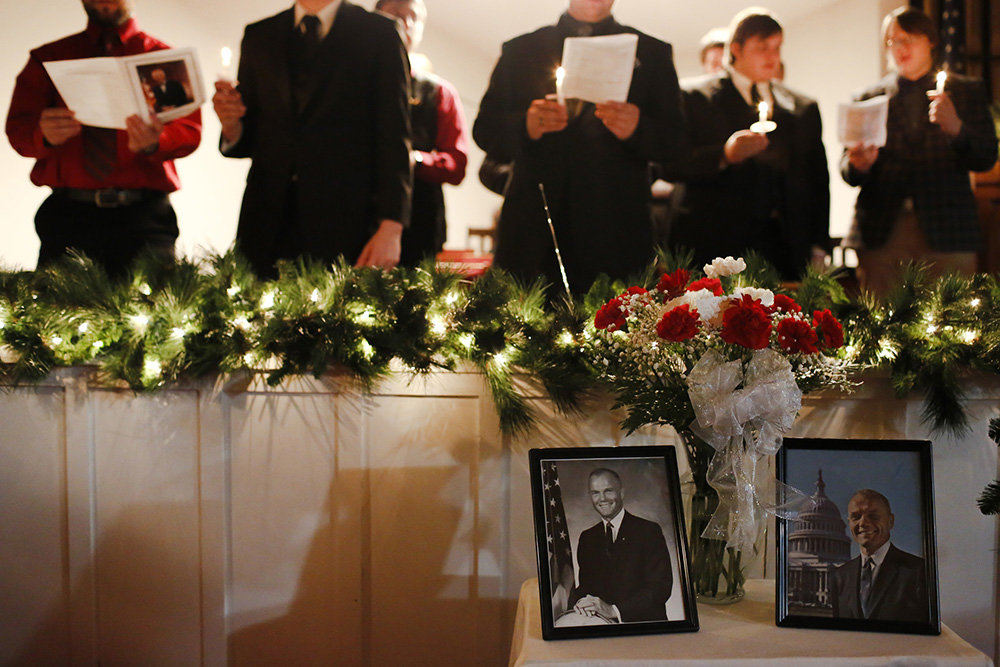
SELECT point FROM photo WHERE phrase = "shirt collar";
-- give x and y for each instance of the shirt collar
(125, 31)
(879, 554)
(743, 83)
(571, 27)
(616, 521)
(325, 16)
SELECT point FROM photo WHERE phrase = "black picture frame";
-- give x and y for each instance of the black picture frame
(652, 498)
(819, 578)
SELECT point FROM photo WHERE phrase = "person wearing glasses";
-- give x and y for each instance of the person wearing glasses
(916, 202)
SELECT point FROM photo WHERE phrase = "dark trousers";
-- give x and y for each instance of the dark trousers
(112, 237)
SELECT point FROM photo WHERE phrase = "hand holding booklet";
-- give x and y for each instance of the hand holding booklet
(599, 69)
(103, 92)
(863, 122)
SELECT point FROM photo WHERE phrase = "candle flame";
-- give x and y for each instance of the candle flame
(942, 76)
(227, 56)
(560, 75)
(763, 108)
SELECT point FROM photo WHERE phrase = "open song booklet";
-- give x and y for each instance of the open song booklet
(599, 69)
(103, 92)
(863, 122)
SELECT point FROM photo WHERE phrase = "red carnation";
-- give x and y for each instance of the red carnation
(713, 285)
(672, 284)
(610, 316)
(746, 323)
(795, 335)
(680, 323)
(635, 289)
(830, 330)
(785, 304)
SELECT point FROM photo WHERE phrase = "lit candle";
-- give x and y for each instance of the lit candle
(942, 77)
(226, 56)
(560, 77)
(763, 125)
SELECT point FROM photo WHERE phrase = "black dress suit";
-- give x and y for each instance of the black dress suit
(323, 175)
(170, 94)
(596, 184)
(923, 163)
(635, 575)
(899, 592)
(777, 203)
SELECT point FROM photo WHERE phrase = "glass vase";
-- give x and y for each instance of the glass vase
(718, 572)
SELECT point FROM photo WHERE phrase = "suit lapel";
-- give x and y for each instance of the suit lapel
(328, 58)
(729, 98)
(887, 573)
(853, 580)
(280, 41)
(784, 103)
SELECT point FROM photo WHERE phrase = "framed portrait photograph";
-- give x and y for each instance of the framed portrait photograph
(168, 82)
(860, 553)
(610, 541)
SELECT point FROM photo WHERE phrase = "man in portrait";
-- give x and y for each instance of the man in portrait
(624, 567)
(169, 93)
(883, 582)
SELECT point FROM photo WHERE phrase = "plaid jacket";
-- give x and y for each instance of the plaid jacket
(933, 171)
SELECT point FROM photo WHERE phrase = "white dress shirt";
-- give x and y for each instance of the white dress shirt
(325, 16)
(878, 557)
(743, 84)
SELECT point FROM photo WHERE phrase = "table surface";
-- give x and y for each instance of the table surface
(743, 633)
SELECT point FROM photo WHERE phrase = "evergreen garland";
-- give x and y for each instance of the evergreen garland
(163, 325)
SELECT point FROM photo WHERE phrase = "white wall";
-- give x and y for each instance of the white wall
(845, 33)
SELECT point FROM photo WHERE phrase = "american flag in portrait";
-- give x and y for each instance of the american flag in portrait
(953, 35)
(557, 540)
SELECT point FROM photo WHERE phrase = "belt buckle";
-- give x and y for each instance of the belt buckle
(107, 198)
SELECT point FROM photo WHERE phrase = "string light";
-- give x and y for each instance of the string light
(968, 336)
(467, 340)
(267, 300)
(314, 297)
(439, 326)
(887, 350)
(139, 322)
(931, 329)
(975, 302)
(365, 318)
(502, 358)
(241, 323)
(83, 328)
(233, 290)
(451, 298)
(366, 348)
(565, 339)
(145, 289)
(151, 369)
(57, 340)
(177, 333)
(97, 345)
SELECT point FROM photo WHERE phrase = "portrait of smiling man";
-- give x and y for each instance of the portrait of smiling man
(883, 582)
(624, 568)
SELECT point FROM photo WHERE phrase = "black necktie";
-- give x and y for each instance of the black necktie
(755, 97)
(309, 27)
(305, 46)
(100, 144)
(864, 591)
(609, 536)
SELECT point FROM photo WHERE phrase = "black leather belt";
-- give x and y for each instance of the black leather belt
(108, 197)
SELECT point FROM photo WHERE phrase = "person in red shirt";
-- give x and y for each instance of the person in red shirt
(109, 187)
(440, 139)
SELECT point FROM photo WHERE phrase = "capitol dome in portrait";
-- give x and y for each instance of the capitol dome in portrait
(817, 543)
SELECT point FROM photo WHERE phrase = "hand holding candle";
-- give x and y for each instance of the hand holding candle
(942, 110)
(942, 78)
(226, 57)
(560, 77)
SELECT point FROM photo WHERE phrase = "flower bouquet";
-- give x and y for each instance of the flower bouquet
(725, 363)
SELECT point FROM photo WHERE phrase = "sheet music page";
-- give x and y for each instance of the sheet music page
(94, 89)
(599, 69)
(863, 122)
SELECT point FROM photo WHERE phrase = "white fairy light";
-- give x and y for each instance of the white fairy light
(565, 339)
(267, 300)
(97, 345)
(887, 350)
(233, 290)
(145, 289)
(467, 340)
(968, 336)
(931, 329)
(439, 326)
(152, 368)
(502, 358)
(177, 333)
(139, 322)
(241, 323)
(975, 302)
(366, 348)
(83, 328)
(451, 298)
(57, 340)
(314, 297)
(365, 318)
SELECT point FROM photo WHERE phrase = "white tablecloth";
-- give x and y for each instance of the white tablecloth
(743, 633)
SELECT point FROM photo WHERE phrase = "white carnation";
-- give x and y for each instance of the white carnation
(706, 303)
(724, 267)
(765, 296)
